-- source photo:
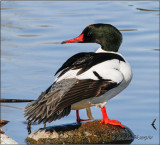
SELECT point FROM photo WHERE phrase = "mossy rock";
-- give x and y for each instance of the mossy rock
(86, 133)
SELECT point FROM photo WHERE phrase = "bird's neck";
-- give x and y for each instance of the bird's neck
(99, 50)
(108, 49)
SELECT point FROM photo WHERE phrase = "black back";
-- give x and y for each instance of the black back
(86, 60)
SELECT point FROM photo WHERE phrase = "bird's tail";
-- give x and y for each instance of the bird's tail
(41, 110)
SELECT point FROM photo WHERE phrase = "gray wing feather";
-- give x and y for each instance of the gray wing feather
(44, 109)
(56, 101)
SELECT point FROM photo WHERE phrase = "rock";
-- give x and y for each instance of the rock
(4, 139)
(87, 133)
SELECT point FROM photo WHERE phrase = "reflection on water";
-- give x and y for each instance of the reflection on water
(52, 43)
(146, 9)
(157, 49)
(31, 54)
(44, 26)
(28, 35)
(128, 29)
(10, 106)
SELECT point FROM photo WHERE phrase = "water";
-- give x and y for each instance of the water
(31, 54)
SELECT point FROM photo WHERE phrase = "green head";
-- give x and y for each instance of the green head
(106, 35)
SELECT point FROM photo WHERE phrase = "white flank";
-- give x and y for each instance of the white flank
(114, 70)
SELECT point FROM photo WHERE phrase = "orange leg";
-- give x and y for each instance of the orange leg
(106, 120)
(79, 119)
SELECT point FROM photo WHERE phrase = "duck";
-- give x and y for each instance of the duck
(86, 79)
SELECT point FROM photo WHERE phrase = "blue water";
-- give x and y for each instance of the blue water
(30, 55)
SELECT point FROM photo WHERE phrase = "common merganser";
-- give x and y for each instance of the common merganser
(87, 79)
